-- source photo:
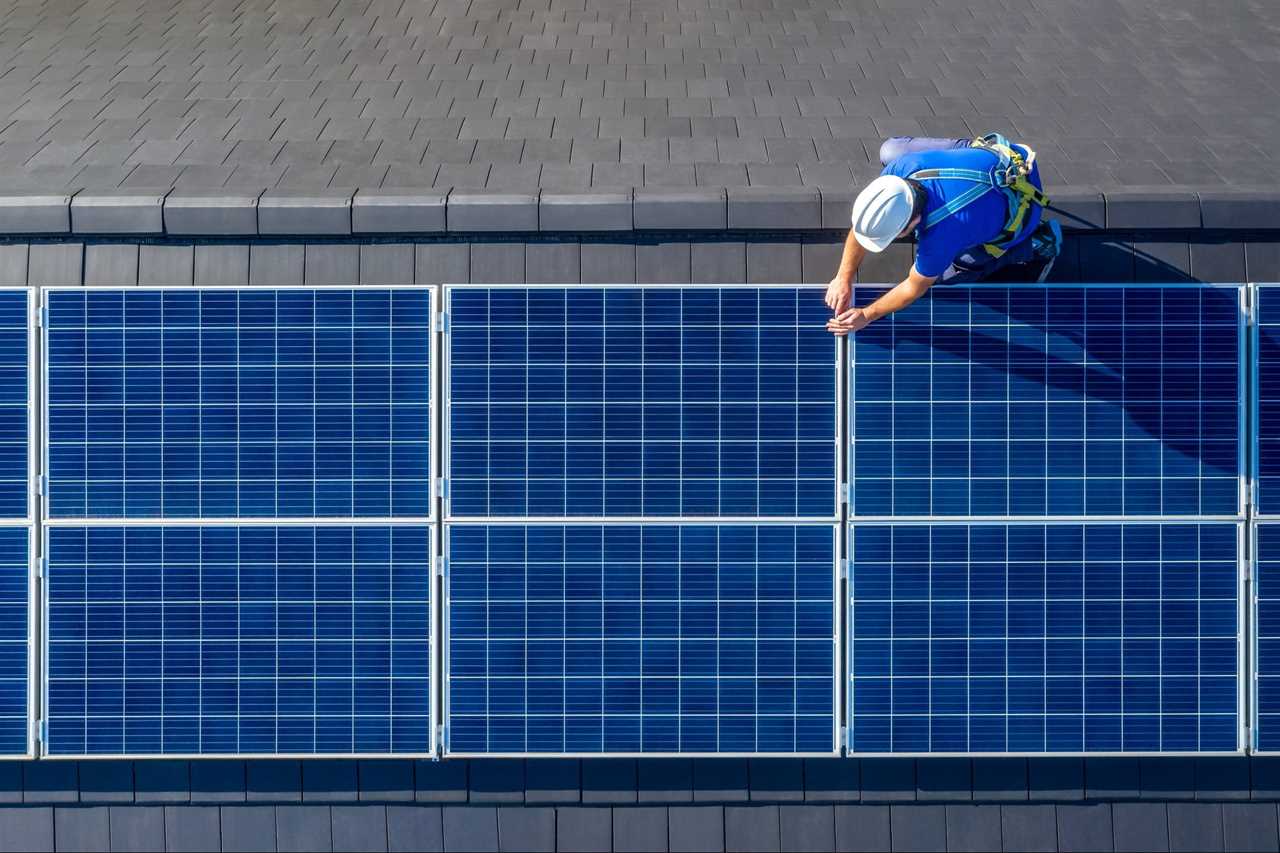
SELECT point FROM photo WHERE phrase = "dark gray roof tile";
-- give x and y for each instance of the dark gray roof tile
(119, 212)
(999, 779)
(1195, 827)
(696, 829)
(28, 829)
(303, 212)
(1152, 208)
(1140, 827)
(247, 828)
(888, 779)
(1056, 778)
(385, 210)
(609, 780)
(1030, 828)
(918, 828)
(32, 213)
(81, 828)
(470, 829)
(766, 207)
(473, 210)
(1084, 827)
(1222, 777)
(639, 829)
(211, 212)
(594, 211)
(776, 779)
(415, 829)
(973, 828)
(679, 208)
(273, 780)
(329, 781)
(579, 829)
(302, 828)
(940, 779)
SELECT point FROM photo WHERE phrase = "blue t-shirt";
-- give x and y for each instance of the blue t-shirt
(978, 223)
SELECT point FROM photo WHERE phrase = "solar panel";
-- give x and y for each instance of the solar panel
(640, 401)
(238, 640)
(1266, 638)
(15, 415)
(1044, 638)
(585, 639)
(1267, 425)
(15, 648)
(225, 403)
(1050, 401)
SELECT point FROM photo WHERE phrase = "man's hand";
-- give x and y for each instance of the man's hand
(848, 321)
(838, 293)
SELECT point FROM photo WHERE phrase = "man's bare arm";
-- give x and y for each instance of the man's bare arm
(903, 294)
(841, 286)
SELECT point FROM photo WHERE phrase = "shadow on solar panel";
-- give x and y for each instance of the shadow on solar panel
(1051, 401)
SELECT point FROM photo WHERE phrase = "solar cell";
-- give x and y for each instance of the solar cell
(1050, 401)
(640, 401)
(15, 655)
(260, 639)
(640, 639)
(1044, 638)
(252, 403)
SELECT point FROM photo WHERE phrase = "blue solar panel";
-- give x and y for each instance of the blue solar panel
(1266, 638)
(219, 639)
(1059, 401)
(226, 403)
(1267, 486)
(640, 639)
(15, 475)
(15, 570)
(641, 401)
(1031, 638)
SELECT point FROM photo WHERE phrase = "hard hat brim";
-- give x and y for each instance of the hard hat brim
(873, 245)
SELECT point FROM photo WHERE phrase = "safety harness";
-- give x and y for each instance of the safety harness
(1009, 176)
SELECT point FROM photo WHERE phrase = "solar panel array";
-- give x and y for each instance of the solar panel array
(1050, 401)
(696, 405)
(1046, 511)
(283, 437)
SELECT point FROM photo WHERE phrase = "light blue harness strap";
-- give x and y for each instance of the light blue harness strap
(957, 204)
(983, 183)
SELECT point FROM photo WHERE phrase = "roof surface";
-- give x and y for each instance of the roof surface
(517, 96)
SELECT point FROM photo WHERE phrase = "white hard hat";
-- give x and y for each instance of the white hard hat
(881, 211)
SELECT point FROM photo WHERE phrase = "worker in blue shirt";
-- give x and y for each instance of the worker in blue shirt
(974, 206)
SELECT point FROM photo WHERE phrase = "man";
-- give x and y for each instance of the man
(975, 207)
